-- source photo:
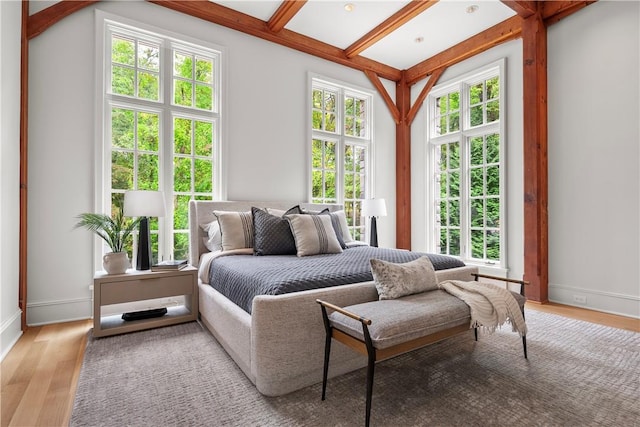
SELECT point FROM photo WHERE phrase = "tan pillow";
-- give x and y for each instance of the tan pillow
(396, 280)
(236, 229)
(314, 234)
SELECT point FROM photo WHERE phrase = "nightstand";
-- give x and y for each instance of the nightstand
(137, 285)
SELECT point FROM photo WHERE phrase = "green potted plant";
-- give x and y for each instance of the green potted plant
(115, 231)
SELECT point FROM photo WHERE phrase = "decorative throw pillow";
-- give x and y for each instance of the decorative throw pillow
(236, 229)
(279, 212)
(214, 240)
(342, 228)
(396, 280)
(335, 221)
(271, 234)
(314, 234)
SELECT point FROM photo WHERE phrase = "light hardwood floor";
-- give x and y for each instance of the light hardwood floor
(40, 374)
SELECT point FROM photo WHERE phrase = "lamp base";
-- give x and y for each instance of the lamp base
(143, 260)
(373, 235)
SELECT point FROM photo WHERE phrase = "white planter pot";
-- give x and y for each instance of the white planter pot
(115, 262)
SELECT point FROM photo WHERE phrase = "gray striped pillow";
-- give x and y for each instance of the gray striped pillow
(236, 229)
(314, 234)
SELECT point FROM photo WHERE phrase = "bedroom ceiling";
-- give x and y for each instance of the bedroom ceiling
(442, 25)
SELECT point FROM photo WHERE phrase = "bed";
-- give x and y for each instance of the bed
(278, 340)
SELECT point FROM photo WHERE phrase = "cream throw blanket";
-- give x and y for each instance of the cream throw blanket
(491, 306)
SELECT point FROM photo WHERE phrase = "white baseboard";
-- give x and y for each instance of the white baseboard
(10, 332)
(608, 302)
(44, 313)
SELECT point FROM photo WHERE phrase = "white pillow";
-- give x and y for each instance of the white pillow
(314, 234)
(396, 280)
(236, 229)
(214, 240)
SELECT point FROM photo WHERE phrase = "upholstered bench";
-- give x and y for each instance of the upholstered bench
(386, 328)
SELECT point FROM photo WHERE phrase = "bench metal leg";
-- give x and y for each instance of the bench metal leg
(327, 350)
(370, 370)
(371, 365)
(325, 370)
(524, 340)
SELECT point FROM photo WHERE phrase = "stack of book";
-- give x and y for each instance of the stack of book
(177, 264)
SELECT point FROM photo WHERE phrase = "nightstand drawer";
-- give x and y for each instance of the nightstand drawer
(143, 289)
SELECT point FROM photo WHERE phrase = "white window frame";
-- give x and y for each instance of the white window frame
(341, 139)
(166, 110)
(462, 83)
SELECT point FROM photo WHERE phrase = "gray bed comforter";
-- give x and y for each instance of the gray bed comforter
(242, 277)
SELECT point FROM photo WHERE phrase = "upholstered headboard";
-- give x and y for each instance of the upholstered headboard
(201, 213)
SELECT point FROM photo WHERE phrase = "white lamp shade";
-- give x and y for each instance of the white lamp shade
(144, 203)
(374, 207)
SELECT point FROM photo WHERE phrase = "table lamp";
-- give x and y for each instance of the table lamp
(374, 208)
(144, 204)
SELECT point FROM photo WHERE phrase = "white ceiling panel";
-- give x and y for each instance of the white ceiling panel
(443, 25)
(328, 21)
(261, 9)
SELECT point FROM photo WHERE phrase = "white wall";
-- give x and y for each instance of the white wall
(265, 149)
(594, 140)
(512, 51)
(10, 314)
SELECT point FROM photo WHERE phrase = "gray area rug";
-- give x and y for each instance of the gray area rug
(577, 374)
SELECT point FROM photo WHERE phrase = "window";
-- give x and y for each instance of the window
(161, 126)
(341, 149)
(466, 157)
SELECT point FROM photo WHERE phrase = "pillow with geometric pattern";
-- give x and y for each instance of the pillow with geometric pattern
(271, 234)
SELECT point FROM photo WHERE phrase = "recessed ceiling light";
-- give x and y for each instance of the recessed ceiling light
(419, 39)
(349, 7)
(473, 8)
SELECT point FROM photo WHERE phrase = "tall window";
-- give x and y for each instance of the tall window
(341, 146)
(161, 116)
(466, 157)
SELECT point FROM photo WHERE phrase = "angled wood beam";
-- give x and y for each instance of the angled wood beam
(375, 80)
(524, 8)
(536, 229)
(433, 79)
(401, 17)
(555, 11)
(40, 21)
(284, 14)
(403, 166)
(238, 21)
(509, 29)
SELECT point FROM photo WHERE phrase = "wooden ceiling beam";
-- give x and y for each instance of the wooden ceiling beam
(238, 21)
(40, 21)
(524, 8)
(395, 21)
(284, 14)
(509, 29)
(555, 11)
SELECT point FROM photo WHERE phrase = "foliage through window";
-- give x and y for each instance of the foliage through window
(341, 146)
(466, 138)
(162, 113)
